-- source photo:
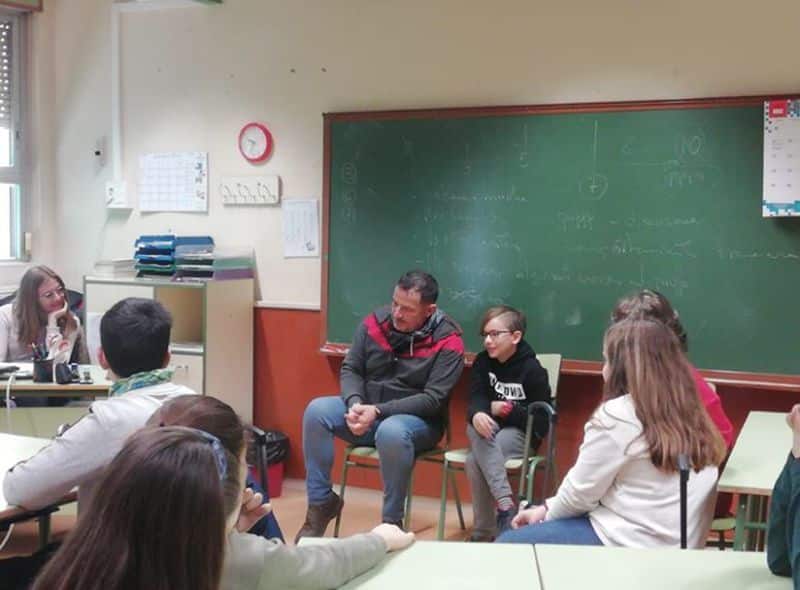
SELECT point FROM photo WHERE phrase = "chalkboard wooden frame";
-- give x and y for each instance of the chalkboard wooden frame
(767, 381)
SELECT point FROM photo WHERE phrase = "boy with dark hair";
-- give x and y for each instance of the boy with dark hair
(134, 339)
(134, 335)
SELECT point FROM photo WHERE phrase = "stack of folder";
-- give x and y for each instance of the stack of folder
(190, 258)
(155, 255)
(216, 266)
(115, 268)
(194, 256)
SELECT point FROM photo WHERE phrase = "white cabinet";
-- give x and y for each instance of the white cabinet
(212, 331)
(188, 371)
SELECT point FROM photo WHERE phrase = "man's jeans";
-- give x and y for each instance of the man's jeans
(398, 438)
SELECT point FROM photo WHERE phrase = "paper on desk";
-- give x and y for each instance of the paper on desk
(24, 367)
(300, 228)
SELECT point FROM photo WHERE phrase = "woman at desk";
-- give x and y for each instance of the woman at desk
(40, 315)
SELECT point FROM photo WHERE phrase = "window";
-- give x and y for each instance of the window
(12, 162)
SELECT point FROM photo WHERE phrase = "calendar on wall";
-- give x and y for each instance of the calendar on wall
(781, 195)
(174, 181)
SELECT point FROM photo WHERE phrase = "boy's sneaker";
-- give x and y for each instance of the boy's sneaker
(504, 518)
(318, 516)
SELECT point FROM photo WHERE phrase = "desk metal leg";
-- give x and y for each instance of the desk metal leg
(761, 527)
(741, 517)
(751, 518)
(44, 530)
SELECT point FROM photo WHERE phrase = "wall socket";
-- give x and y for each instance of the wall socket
(116, 195)
(250, 190)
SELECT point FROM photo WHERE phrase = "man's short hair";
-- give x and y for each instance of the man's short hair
(134, 335)
(422, 282)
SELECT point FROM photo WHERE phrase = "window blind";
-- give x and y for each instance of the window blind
(7, 81)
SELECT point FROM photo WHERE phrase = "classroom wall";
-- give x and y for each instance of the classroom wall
(192, 76)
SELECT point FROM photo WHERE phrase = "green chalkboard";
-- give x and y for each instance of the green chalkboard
(560, 214)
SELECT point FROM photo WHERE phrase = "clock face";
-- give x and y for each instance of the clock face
(255, 142)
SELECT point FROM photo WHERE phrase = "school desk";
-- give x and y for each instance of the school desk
(438, 564)
(28, 388)
(39, 422)
(564, 567)
(756, 461)
(13, 449)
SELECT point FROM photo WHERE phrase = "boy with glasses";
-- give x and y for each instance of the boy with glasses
(506, 378)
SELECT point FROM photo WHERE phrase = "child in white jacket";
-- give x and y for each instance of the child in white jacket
(624, 487)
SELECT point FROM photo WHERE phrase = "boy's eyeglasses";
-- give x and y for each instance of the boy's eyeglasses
(49, 295)
(495, 334)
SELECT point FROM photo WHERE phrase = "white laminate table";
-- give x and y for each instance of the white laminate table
(755, 463)
(564, 567)
(439, 564)
(29, 388)
(13, 449)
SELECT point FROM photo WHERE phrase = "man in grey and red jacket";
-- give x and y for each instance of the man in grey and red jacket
(395, 380)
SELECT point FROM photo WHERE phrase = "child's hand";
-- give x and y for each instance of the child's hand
(484, 424)
(793, 418)
(501, 409)
(529, 516)
(394, 537)
(253, 509)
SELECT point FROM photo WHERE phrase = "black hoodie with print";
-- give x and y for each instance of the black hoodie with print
(520, 380)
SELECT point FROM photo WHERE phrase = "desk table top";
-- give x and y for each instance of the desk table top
(100, 384)
(439, 564)
(758, 455)
(564, 567)
(13, 449)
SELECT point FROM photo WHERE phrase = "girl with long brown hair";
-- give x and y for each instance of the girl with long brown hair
(624, 487)
(253, 562)
(160, 520)
(40, 315)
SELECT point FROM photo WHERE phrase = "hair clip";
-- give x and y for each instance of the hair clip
(219, 452)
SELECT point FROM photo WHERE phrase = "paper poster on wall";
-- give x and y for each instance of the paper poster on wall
(300, 228)
(174, 181)
(781, 196)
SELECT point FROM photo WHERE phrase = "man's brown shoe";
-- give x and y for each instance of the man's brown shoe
(318, 516)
